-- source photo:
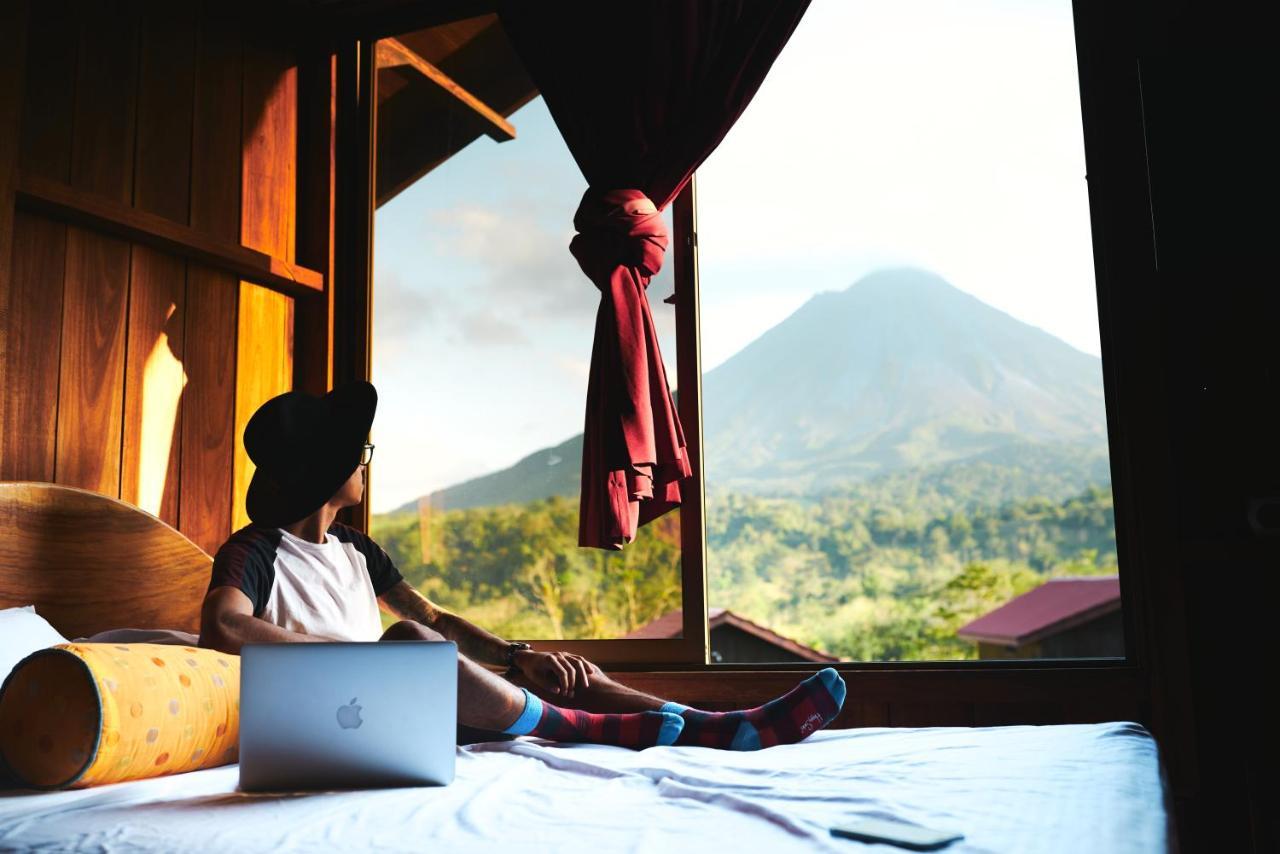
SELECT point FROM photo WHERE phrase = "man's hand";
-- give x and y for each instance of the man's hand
(559, 672)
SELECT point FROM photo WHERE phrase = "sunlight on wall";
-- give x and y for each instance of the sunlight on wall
(163, 380)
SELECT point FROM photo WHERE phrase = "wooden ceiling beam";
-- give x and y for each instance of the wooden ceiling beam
(392, 53)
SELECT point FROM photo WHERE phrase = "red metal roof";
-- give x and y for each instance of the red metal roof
(1053, 607)
(671, 624)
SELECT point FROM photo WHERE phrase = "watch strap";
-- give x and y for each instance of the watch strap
(512, 649)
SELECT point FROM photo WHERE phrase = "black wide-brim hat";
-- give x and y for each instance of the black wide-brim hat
(305, 448)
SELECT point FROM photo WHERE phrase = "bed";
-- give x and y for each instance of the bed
(1063, 788)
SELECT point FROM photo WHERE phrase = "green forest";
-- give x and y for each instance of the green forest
(886, 570)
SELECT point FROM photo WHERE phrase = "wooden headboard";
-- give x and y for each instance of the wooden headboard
(90, 563)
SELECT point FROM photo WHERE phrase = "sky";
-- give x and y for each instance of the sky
(944, 135)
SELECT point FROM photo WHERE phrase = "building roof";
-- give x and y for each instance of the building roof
(671, 624)
(1053, 607)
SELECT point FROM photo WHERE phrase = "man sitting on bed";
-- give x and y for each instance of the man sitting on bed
(296, 574)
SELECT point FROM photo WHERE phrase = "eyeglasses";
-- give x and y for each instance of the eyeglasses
(366, 455)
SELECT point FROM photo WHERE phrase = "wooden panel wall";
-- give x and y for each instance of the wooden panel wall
(129, 370)
(34, 316)
(267, 223)
(211, 332)
(152, 434)
(13, 62)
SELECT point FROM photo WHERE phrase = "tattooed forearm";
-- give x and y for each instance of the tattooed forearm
(474, 642)
(408, 604)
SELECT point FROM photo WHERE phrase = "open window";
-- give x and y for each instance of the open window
(904, 431)
(891, 346)
(482, 335)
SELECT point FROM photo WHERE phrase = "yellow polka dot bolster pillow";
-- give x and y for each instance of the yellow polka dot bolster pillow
(84, 714)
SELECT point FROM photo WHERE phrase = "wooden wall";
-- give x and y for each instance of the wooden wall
(131, 364)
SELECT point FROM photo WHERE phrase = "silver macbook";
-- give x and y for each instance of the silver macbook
(347, 715)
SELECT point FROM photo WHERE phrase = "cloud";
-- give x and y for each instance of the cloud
(404, 314)
(664, 321)
(579, 369)
(402, 311)
(486, 328)
(521, 256)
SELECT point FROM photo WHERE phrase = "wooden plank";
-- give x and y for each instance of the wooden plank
(269, 151)
(13, 60)
(216, 136)
(899, 694)
(208, 425)
(862, 714)
(264, 363)
(264, 369)
(693, 528)
(105, 106)
(154, 372)
(34, 335)
(91, 379)
(116, 218)
(1011, 714)
(154, 381)
(49, 91)
(33, 305)
(162, 166)
(357, 144)
(393, 53)
(209, 412)
(91, 373)
(420, 127)
(930, 714)
(1096, 707)
(313, 318)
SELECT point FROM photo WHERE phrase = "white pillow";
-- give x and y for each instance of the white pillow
(22, 632)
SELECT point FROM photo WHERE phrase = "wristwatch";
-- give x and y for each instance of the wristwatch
(512, 649)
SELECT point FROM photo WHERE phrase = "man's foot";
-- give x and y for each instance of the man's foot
(636, 730)
(794, 716)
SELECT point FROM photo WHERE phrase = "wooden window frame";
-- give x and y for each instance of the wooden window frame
(1122, 231)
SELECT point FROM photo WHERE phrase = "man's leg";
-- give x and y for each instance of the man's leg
(486, 701)
(602, 694)
(793, 717)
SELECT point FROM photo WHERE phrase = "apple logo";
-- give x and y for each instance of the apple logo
(349, 716)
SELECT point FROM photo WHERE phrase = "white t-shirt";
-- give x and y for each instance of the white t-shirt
(328, 589)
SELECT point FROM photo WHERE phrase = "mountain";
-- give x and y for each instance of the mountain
(549, 471)
(900, 371)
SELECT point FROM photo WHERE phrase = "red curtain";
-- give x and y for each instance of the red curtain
(642, 92)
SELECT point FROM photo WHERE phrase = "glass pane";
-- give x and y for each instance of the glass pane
(905, 434)
(483, 327)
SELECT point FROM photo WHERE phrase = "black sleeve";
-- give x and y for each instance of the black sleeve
(382, 570)
(247, 562)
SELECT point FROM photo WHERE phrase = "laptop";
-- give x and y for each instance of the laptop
(347, 715)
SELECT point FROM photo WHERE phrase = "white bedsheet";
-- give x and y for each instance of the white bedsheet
(1092, 788)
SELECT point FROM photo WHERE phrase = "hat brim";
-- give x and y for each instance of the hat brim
(351, 409)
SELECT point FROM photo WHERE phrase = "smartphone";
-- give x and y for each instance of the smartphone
(912, 836)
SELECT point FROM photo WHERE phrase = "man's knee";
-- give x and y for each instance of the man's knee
(411, 630)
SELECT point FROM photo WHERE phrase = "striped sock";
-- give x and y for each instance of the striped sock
(636, 730)
(794, 716)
